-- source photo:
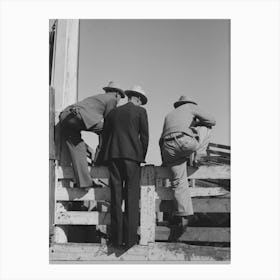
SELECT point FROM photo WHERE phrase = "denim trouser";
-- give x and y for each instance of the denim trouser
(174, 155)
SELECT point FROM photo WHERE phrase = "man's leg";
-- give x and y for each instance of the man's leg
(179, 183)
(132, 196)
(72, 127)
(116, 183)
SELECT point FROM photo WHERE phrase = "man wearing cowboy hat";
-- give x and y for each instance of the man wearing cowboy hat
(126, 138)
(185, 130)
(87, 115)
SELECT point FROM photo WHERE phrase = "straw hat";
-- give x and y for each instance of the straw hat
(112, 86)
(183, 100)
(137, 91)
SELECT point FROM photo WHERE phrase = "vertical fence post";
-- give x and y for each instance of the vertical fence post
(60, 231)
(68, 44)
(51, 161)
(147, 205)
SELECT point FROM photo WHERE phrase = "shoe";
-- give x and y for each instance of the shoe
(176, 232)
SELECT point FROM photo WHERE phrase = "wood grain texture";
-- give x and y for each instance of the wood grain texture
(203, 172)
(200, 205)
(158, 252)
(209, 234)
(147, 214)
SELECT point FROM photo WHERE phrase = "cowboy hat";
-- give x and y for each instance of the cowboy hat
(114, 87)
(137, 91)
(183, 100)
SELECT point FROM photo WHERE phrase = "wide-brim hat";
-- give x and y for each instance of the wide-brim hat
(112, 86)
(137, 91)
(183, 100)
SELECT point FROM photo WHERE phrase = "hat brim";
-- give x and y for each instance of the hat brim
(143, 98)
(179, 103)
(115, 89)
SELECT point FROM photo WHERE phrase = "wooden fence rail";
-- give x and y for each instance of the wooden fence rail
(155, 199)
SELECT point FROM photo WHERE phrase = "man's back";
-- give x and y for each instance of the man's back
(94, 108)
(181, 119)
(126, 133)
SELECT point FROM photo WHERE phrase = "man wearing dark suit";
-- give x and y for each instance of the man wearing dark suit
(126, 138)
(87, 115)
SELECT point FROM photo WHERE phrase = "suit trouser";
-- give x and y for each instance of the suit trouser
(174, 155)
(72, 125)
(125, 184)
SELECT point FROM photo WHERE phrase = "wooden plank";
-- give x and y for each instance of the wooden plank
(78, 194)
(218, 160)
(70, 85)
(82, 218)
(66, 172)
(165, 193)
(202, 172)
(60, 234)
(147, 205)
(200, 205)
(51, 195)
(203, 234)
(223, 154)
(51, 124)
(158, 252)
(100, 194)
(218, 146)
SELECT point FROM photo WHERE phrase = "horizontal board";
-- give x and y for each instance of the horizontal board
(164, 193)
(157, 252)
(223, 154)
(218, 146)
(82, 218)
(66, 172)
(200, 205)
(103, 218)
(219, 160)
(202, 234)
(73, 194)
(202, 172)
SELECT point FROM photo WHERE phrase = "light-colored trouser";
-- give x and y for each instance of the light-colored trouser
(174, 155)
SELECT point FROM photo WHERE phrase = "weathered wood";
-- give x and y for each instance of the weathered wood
(51, 195)
(164, 193)
(203, 172)
(200, 205)
(66, 172)
(147, 205)
(82, 218)
(60, 234)
(223, 154)
(51, 124)
(204, 234)
(70, 85)
(158, 252)
(72, 194)
(218, 146)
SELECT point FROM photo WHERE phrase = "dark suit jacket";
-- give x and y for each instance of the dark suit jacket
(125, 134)
(94, 108)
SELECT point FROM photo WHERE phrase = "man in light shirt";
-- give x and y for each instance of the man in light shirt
(186, 130)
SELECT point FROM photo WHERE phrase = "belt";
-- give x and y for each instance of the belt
(176, 137)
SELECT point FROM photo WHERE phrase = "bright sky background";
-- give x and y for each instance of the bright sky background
(168, 58)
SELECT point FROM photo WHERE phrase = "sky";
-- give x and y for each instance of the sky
(167, 58)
